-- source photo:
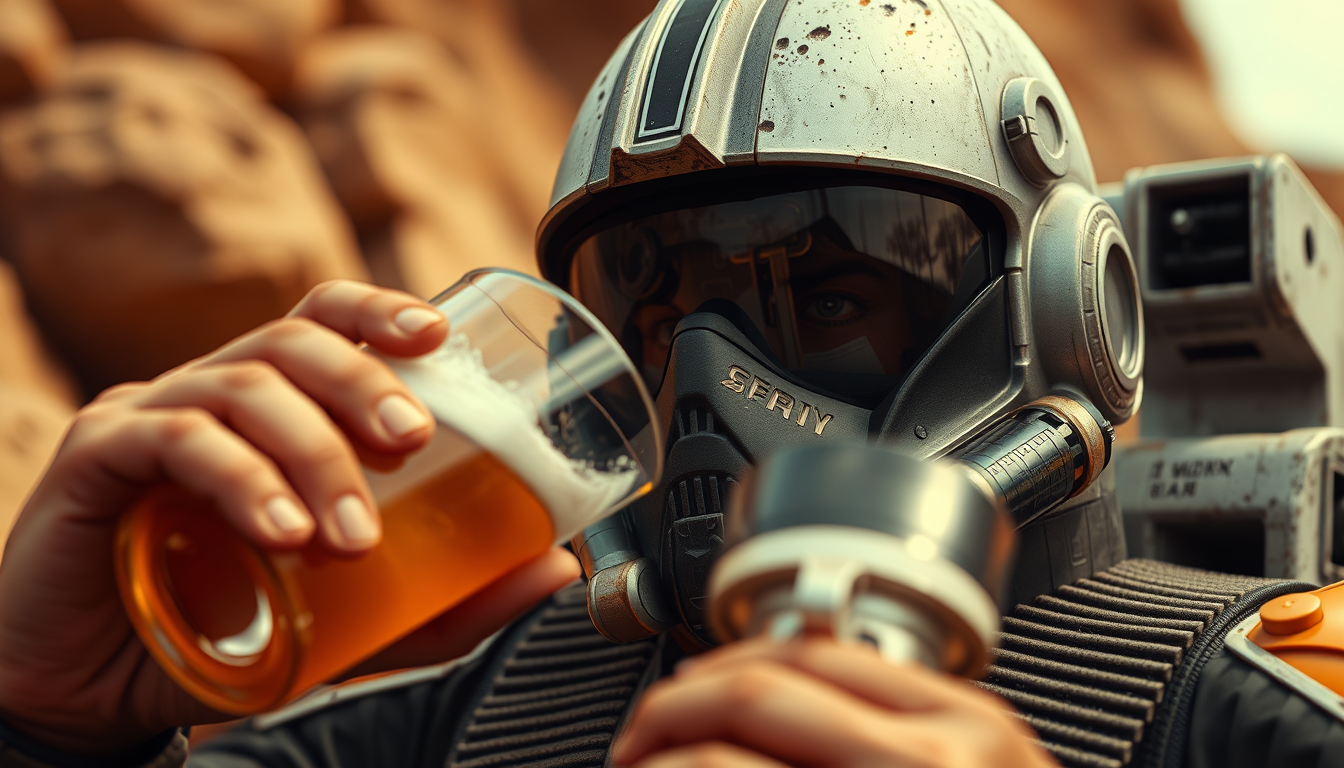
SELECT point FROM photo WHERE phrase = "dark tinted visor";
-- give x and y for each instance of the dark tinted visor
(848, 284)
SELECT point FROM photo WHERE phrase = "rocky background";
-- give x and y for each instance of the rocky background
(174, 172)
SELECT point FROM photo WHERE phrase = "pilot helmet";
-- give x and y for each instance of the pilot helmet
(835, 220)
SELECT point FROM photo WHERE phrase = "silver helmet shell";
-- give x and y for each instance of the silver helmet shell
(950, 93)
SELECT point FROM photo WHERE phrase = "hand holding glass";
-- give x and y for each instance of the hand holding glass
(544, 427)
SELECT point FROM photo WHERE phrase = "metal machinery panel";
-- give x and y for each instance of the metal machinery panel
(1241, 466)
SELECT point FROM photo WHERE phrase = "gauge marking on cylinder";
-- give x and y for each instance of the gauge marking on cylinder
(1040, 455)
(743, 382)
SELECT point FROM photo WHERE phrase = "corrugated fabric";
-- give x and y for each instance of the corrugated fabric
(559, 698)
(1089, 667)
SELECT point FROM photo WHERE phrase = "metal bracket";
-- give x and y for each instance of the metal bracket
(1297, 681)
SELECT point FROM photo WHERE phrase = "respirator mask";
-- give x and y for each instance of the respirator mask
(761, 323)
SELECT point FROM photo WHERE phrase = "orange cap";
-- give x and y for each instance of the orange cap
(1291, 614)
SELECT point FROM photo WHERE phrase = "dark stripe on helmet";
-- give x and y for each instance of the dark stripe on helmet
(664, 102)
(746, 115)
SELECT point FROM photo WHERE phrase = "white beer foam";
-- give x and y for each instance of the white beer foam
(454, 384)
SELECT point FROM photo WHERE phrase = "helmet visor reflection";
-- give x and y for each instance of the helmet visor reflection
(850, 280)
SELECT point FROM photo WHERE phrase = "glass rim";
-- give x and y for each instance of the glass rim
(572, 304)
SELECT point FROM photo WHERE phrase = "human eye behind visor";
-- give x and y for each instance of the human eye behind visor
(851, 282)
(829, 308)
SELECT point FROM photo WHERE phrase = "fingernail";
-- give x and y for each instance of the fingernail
(356, 522)
(287, 516)
(413, 320)
(400, 417)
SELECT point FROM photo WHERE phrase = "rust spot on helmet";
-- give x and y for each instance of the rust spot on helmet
(782, 43)
(802, 49)
(820, 33)
(766, 126)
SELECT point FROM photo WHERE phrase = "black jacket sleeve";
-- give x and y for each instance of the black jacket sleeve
(403, 721)
(1243, 718)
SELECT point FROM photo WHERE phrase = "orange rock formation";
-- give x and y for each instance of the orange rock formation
(261, 37)
(400, 127)
(156, 207)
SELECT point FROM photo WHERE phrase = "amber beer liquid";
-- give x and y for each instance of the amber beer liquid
(437, 550)
(244, 630)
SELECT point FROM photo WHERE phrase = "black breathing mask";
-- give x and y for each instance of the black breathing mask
(805, 318)
(726, 403)
(730, 404)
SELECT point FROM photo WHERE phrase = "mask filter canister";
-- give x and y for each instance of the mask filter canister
(864, 544)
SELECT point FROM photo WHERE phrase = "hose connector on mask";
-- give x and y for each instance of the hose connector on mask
(624, 601)
(1040, 455)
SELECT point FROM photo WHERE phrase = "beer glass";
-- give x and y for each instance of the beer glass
(543, 427)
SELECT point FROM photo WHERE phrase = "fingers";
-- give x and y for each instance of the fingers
(853, 667)
(390, 321)
(192, 449)
(761, 705)
(357, 389)
(284, 424)
(297, 388)
(711, 755)
(315, 349)
(817, 702)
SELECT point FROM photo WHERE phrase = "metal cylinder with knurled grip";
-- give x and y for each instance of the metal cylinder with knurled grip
(1042, 454)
